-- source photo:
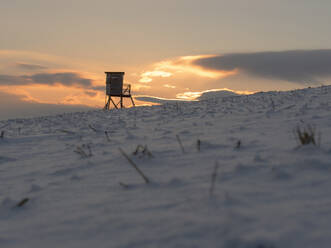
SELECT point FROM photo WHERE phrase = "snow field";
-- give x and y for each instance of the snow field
(269, 192)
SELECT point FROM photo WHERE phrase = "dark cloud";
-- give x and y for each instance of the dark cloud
(30, 66)
(90, 93)
(99, 88)
(13, 80)
(66, 78)
(300, 66)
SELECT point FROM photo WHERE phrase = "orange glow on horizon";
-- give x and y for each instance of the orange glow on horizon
(169, 77)
(56, 94)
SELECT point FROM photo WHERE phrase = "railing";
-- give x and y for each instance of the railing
(126, 89)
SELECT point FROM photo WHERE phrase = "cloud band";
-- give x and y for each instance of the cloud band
(300, 66)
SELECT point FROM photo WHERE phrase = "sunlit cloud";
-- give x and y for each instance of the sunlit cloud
(169, 86)
(138, 87)
(182, 65)
(147, 76)
(188, 95)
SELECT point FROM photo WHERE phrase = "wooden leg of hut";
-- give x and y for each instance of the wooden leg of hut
(107, 104)
(113, 103)
(132, 101)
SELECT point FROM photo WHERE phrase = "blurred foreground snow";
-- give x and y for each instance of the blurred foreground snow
(268, 192)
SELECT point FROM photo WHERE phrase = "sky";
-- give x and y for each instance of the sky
(53, 54)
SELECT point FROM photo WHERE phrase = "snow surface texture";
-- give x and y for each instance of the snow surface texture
(268, 191)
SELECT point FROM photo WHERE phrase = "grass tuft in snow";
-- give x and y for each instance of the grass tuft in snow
(85, 151)
(142, 151)
(306, 135)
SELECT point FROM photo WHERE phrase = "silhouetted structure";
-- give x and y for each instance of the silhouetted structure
(116, 88)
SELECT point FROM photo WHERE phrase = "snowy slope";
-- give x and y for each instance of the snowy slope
(268, 191)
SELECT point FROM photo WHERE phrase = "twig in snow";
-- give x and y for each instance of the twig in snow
(92, 128)
(22, 202)
(238, 145)
(124, 185)
(66, 131)
(180, 143)
(134, 165)
(213, 179)
(198, 145)
(2, 135)
(107, 136)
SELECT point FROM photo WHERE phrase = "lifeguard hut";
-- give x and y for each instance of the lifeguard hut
(116, 88)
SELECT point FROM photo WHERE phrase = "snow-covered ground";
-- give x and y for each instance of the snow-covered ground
(83, 192)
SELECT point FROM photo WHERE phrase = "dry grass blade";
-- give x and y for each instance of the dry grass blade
(134, 165)
(22, 202)
(124, 185)
(213, 179)
(198, 145)
(107, 136)
(92, 128)
(66, 131)
(180, 143)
